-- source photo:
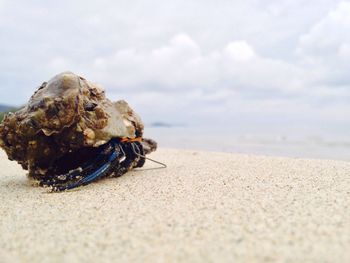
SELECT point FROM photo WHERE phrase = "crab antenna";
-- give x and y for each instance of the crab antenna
(136, 151)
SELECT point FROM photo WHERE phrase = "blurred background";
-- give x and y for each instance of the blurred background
(259, 77)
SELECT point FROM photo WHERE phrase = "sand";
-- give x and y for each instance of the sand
(205, 207)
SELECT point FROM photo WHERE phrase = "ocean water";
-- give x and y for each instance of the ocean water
(298, 142)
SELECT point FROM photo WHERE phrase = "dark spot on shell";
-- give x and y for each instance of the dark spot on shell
(89, 106)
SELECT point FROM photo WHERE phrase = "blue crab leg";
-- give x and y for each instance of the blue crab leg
(100, 171)
(115, 157)
(84, 169)
(96, 170)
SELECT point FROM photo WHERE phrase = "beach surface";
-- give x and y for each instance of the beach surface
(205, 207)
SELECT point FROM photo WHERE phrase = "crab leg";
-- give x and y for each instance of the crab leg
(99, 172)
(81, 171)
(106, 161)
(132, 159)
(115, 157)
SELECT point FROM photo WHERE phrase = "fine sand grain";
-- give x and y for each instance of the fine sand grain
(205, 207)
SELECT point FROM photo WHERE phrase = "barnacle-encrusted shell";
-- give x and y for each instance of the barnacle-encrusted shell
(65, 114)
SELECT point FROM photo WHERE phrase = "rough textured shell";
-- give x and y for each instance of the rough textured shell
(65, 114)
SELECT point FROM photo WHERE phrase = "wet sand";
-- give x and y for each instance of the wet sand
(205, 207)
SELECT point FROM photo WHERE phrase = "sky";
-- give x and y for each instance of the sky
(271, 63)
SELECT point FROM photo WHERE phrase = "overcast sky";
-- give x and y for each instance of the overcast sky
(254, 62)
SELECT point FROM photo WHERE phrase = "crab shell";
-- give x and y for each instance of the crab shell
(64, 115)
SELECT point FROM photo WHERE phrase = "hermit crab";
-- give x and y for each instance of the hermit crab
(69, 134)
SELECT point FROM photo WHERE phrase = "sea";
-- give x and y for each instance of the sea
(296, 143)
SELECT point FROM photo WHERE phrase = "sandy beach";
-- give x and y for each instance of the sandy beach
(205, 207)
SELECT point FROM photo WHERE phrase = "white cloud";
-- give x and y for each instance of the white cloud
(344, 51)
(59, 64)
(325, 49)
(239, 50)
(233, 58)
(182, 64)
(327, 36)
